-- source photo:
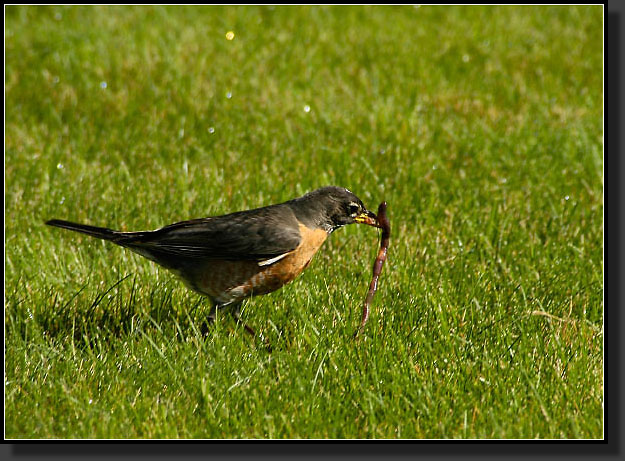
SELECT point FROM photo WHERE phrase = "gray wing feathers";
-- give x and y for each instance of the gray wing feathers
(260, 234)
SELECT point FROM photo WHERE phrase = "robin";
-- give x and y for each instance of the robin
(238, 255)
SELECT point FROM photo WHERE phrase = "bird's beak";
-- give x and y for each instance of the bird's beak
(367, 217)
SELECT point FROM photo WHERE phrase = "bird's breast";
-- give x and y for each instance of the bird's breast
(228, 281)
(297, 260)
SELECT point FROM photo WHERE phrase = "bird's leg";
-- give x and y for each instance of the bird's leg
(236, 314)
(210, 319)
(212, 314)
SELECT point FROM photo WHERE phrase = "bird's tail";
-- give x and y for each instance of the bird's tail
(93, 231)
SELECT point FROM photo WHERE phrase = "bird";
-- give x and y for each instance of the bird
(235, 256)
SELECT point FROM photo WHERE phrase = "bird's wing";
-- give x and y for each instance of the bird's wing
(257, 235)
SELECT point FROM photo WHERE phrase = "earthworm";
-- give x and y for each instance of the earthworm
(385, 225)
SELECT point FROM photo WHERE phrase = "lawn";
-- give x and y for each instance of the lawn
(482, 127)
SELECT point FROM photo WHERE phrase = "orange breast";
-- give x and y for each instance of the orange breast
(229, 281)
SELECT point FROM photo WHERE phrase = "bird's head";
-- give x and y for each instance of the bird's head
(332, 207)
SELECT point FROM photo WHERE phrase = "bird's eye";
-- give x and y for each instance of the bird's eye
(353, 209)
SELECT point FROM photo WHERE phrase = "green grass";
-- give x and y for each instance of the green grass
(481, 127)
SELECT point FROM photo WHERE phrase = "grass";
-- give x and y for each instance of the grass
(482, 128)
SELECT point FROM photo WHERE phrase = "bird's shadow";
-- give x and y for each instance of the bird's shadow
(118, 311)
